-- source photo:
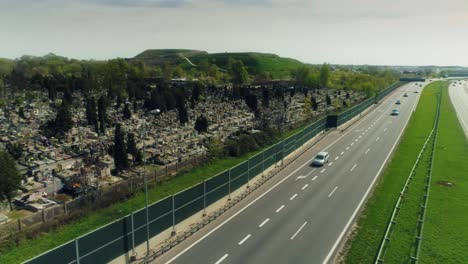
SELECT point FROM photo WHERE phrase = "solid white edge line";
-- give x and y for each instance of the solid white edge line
(222, 258)
(280, 208)
(332, 192)
(305, 186)
(350, 129)
(264, 222)
(340, 237)
(244, 239)
(292, 197)
(299, 230)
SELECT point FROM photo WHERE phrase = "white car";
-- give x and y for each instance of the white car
(321, 159)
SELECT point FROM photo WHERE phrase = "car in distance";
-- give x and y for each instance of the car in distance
(321, 159)
(395, 112)
(405, 95)
(398, 102)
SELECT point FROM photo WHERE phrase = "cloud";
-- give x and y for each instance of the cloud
(144, 3)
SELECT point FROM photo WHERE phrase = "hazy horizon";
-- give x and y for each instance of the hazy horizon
(400, 33)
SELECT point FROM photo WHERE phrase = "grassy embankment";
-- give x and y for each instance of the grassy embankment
(445, 236)
(373, 221)
(32, 247)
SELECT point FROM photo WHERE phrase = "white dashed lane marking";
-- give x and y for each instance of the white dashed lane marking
(245, 239)
(222, 258)
(332, 191)
(264, 222)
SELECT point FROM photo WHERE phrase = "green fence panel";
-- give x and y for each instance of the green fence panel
(105, 243)
(188, 195)
(217, 187)
(65, 253)
(270, 157)
(216, 194)
(256, 165)
(239, 175)
(279, 151)
(188, 202)
(217, 181)
(157, 226)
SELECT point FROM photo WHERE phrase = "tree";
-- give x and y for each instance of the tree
(102, 105)
(2, 87)
(201, 124)
(127, 113)
(91, 114)
(131, 145)
(300, 74)
(183, 115)
(314, 103)
(251, 101)
(63, 120)
(238, 72)
(10, 179)
(120, 151)
(328, 100)
(215, 148)
(265, 97)
(324, 75)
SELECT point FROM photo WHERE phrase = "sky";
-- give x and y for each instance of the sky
(378, 32)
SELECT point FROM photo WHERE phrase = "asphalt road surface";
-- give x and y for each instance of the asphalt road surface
(459, 96)
(304, 216)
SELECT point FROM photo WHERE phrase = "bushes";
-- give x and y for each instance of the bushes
(249, 142)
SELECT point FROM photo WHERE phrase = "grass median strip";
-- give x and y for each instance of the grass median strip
(446, 230)
(373, 222)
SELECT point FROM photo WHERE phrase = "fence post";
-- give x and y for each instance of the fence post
(65, 209)
(229, 198)
(77, 251)
(19, 224)
(263, 163)
(204, 198)
(282, 152)
(248, 172)
(166, 171)
(173, 217)
(133, 235)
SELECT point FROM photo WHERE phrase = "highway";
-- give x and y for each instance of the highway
(305, 214)
(459, 96)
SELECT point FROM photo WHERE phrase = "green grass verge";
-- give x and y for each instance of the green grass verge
(36, 246)
(445, 234)
(373, 221)
(402, 239)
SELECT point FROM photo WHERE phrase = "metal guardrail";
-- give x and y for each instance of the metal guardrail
(392, 221)
(422, 215)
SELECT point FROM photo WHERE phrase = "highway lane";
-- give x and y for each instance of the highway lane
(301, 219)
(459, 96)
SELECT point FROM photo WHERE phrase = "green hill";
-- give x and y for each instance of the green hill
(157, 57)
(277, 66)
